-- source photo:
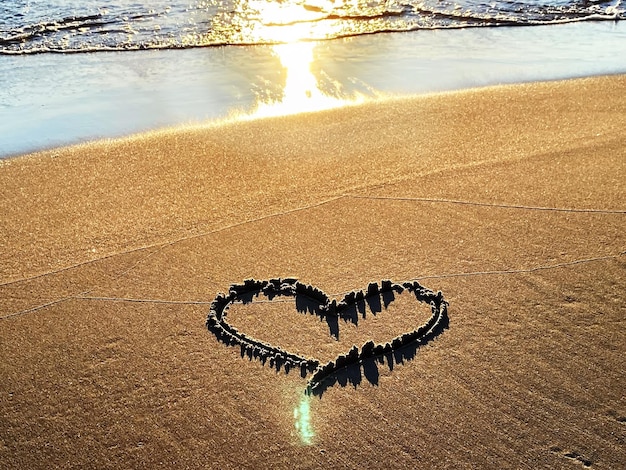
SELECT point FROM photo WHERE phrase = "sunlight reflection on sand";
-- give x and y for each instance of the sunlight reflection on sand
(302, 418)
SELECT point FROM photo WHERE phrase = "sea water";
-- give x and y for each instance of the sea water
(36, 26)
(77, 70)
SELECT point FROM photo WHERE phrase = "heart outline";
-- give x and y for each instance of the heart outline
(217, 323)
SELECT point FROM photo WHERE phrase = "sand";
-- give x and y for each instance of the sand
(509, 200)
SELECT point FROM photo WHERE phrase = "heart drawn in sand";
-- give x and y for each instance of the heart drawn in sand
(311, 299)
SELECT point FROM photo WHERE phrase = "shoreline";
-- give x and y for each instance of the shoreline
(141, 91)
(225, 133)
(509, 200)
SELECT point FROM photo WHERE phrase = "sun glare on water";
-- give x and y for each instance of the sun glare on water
(287, 24)
(301, 91)
(287, 21)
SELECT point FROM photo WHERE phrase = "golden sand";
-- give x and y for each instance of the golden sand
(510, 200)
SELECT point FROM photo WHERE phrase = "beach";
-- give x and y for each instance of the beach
(52, 100)
(507, 199)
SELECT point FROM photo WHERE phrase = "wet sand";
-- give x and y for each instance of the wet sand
(509, 200)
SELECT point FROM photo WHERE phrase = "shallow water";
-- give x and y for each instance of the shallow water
(56, 99)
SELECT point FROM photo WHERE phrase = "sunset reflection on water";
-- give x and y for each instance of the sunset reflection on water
(301, 91)
(287, 25)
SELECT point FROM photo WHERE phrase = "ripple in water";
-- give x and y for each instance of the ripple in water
(78, 26)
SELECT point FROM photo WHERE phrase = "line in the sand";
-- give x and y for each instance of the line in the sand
(159, 247)
(487, 204)
(162, 245)
(524, 270)
(74, 266)
(248, 221)
(82, 296)
(136, 300)
(38, 307)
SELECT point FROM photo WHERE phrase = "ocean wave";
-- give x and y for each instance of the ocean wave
(168, 25)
